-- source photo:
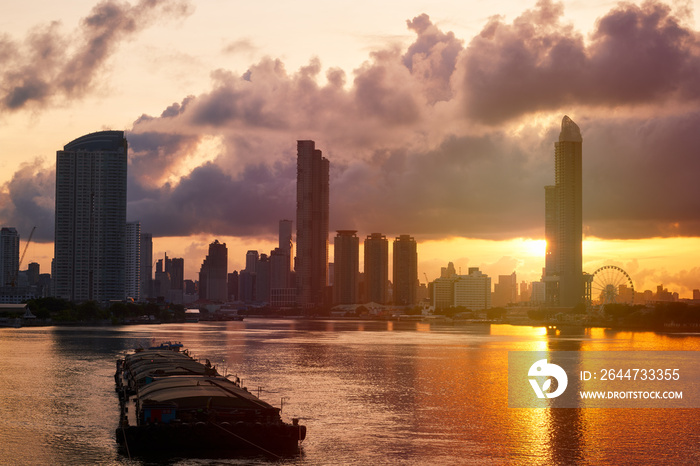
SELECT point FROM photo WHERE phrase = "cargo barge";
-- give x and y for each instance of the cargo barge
(173, 405)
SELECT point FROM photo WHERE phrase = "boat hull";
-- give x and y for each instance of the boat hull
(211, 439)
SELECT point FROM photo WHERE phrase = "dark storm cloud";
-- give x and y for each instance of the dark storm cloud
(51, 64)
(208, 200)
(636, 55)
(640, 176)
(464, 187)
(404, 158)
(27, 200)
(396, 163)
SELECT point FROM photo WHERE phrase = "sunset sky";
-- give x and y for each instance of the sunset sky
(439, 120)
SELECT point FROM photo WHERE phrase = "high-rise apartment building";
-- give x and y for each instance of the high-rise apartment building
(376, 268)
(505, 292)
(146, 265)
(564, 221)
(247, 278)
(213, 274)
(405, 271)
(262, 279)
(473, 291)
(132, 266)
(90, 228)
(346, 280)
(286, 245)
(312, 224)
(9, 256)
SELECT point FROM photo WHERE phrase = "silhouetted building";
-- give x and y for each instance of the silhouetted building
(286, 245)
(376, 276)
(33, 273)
(282, 286)
(213, 274)
(312, 224)
(146, 265)
(505, 291)
(132, 266)
(346, 252)
(247, 278)
(564, 221)
(190, 287)
(262, 279)
(162, 278)
(9, 256)
(405, 271)
(90, 228)
(233, 286)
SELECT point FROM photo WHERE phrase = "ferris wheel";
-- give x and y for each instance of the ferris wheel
(607, 283)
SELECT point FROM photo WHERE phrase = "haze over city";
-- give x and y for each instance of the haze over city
(439, 124)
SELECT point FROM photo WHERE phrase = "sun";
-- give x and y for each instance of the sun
(535, 247)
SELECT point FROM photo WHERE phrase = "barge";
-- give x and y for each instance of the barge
(173, 405)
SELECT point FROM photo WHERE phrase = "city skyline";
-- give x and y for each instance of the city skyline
(427, 133)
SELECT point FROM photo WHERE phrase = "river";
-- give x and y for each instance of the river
(368, 392)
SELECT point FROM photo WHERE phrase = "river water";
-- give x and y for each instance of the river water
(368, 392)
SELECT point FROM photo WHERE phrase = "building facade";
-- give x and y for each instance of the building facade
(132, 266)
(405, 270)
(473, 291)
(90, 224)
(376, 268)
(213, 274)
(146, 265)
(346, 280)
(9, 256)
(505, 292)
(312, 224)
(564, 285)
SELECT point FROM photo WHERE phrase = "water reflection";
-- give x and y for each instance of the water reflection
(369, 392)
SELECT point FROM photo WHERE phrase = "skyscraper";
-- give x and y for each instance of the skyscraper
(285, 240)
(346, 253)
(564, 220)
(90, 232)
(312, 224)
(405, 270)
(376, 268)
(146, 265)
(9, 256)
(213, 274)
(132, 266)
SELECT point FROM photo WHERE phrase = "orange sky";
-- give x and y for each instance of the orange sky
(439, 121)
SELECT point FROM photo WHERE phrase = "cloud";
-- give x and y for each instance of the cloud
(640, 176)
(636, 55)
(50, 65)
(28, 200)
(433, 57)
(208, 200)
(402, 149)
(435, 139)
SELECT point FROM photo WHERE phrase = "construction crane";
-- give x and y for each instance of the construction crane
(427, 282)
(21, 259)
